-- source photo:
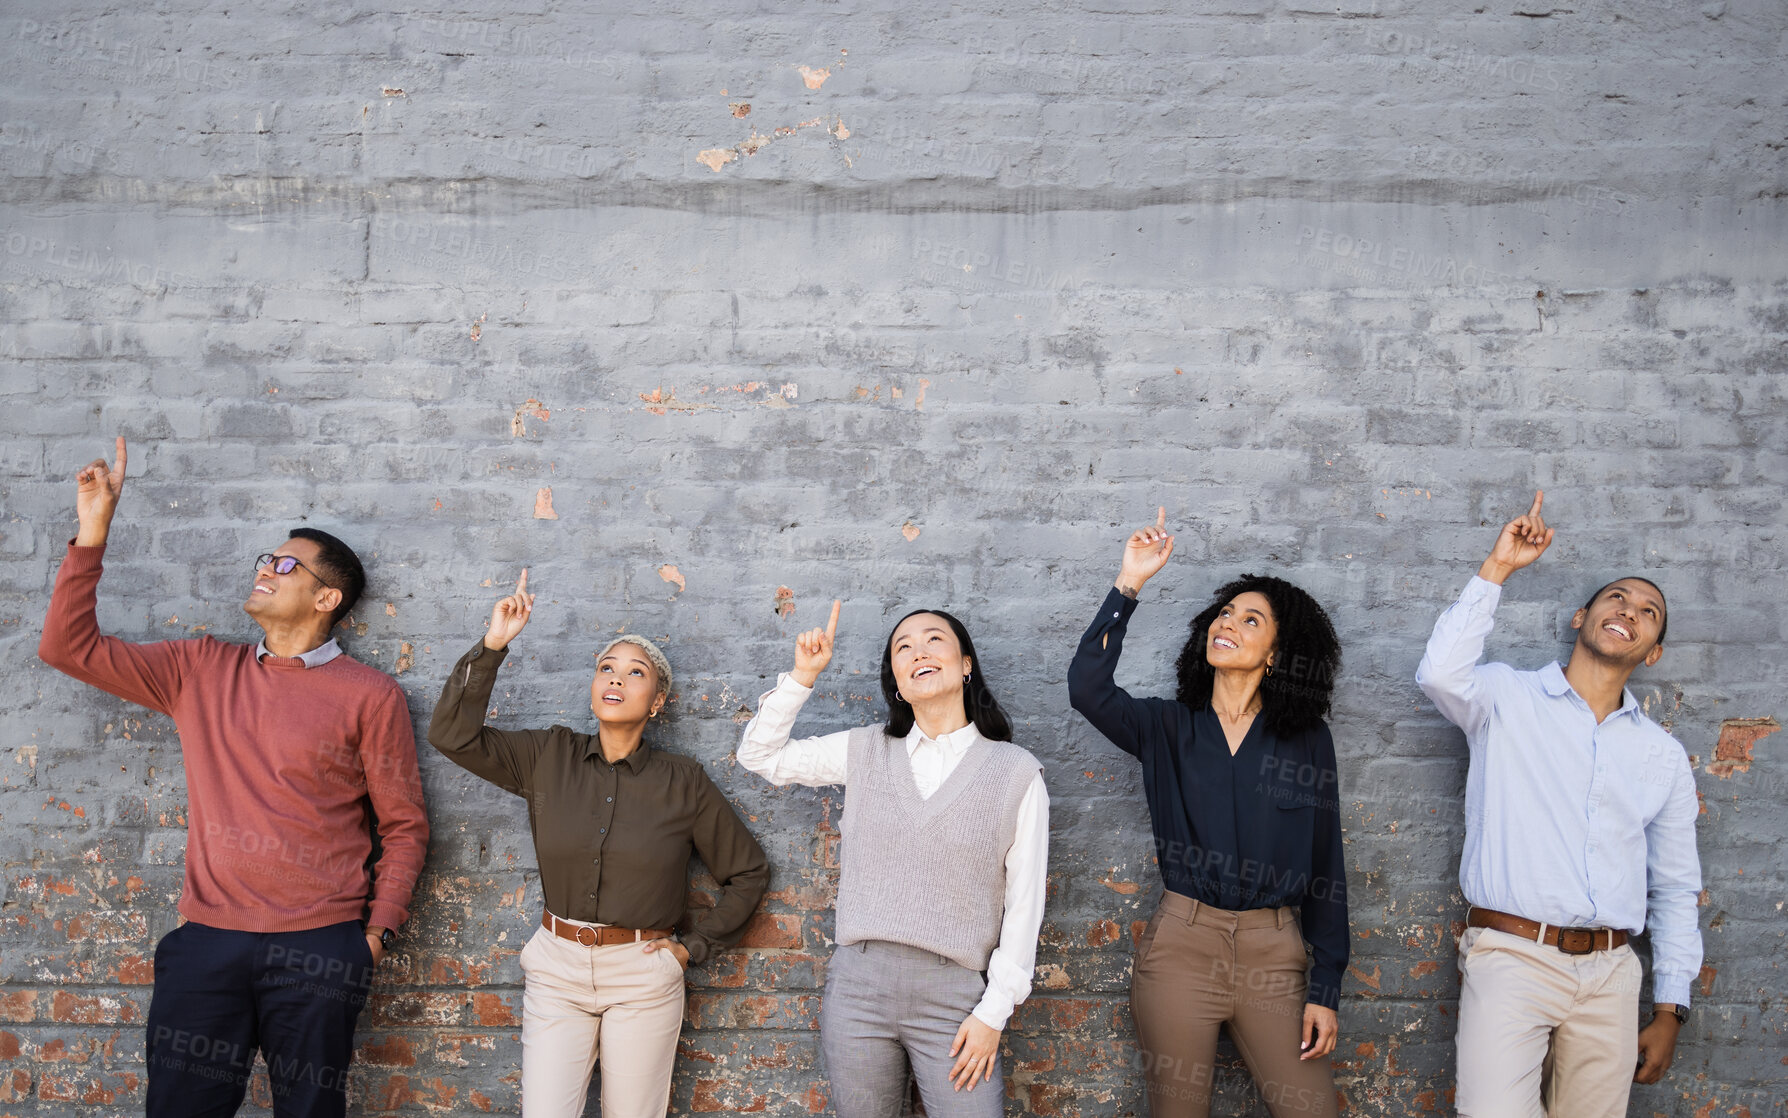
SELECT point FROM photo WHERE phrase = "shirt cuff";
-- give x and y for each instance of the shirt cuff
(1118, 606)
(484, 659)
(995, 1008)
(700, 950)
(1325, 989)
(789, 685)
(1481, 590)
(1672, 988)
(385, 914)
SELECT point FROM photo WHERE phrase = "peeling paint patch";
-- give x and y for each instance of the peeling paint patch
(784, 603)
(518, 424)
(839, 131)
(390, 609)
(670, 574)
(919, 404)
(406, 659)
(716, 158)
(1127, 888)
(910, 531)
(543, 504)
(814, 78)
(478, 327)
(1737, 737)
(392, 91)
(740, 108)
(660, 402)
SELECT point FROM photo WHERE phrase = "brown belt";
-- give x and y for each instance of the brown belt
(1572, 941)
(599, 937)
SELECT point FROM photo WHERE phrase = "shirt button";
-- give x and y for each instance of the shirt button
(595, 861)
(611, 800)
(603, 831)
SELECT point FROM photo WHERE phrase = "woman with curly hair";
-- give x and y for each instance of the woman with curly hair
(942, 870)
(1239, 771)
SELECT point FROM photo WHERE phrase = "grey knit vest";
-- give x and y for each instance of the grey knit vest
(929, 873)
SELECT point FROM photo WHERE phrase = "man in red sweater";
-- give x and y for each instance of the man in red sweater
(294, 752)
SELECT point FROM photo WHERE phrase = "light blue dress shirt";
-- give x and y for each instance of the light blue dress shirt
(315, 658)
(1567, 821)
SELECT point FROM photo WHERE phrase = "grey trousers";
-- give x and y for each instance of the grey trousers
(889, 1007)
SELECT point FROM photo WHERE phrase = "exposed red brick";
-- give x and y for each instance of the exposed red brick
(18, 1006)
(1103, 932)
(769, 929)
(15, 1086)
(493, 1009)
(70, 1008)
(133, 970)
(1737, 736)
(719, 1095)
(1707, 980)
(9, 1045)
(1424, 968)
(392, 1052)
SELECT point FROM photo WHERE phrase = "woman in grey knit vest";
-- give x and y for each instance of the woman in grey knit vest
(940, 896)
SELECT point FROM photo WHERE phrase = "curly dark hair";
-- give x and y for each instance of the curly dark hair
(1294, 696)
(977, 699)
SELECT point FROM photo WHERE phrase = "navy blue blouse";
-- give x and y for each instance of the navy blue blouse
(1259, 829)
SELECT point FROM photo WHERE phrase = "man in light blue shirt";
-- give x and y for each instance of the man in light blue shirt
(1579, 833)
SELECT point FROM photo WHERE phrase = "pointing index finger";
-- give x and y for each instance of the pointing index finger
(1538, 496)
(521, 584)
(832, 622)
(1160, 516)
(121, 456)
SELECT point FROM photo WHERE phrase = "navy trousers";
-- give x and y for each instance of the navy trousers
(221, 996)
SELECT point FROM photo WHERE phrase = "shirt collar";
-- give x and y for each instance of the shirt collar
(1552, 679)
(956, 741)
(635, 761)
(315, 658)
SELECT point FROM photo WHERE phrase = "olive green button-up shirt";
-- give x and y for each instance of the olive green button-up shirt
(613, 840)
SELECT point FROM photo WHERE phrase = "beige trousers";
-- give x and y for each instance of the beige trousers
(1543, 1033)
(620, 1004)
(1198, 968)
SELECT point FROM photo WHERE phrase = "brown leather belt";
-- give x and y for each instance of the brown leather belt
(599, 937)
(1572, 941)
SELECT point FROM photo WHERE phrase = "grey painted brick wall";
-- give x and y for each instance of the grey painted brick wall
(961, 297)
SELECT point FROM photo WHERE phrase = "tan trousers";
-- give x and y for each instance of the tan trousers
(621, 1004)
(1198, 968)
(1542, 1032)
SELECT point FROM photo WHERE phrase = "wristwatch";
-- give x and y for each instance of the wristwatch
(387, 937)
(1676, 1011)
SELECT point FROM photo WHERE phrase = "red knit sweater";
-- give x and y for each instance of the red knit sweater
(288, 768)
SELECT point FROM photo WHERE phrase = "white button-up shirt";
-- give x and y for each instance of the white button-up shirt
(767, 751)
(1567, 820)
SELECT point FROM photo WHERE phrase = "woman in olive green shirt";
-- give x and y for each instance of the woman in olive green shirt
(614, 822)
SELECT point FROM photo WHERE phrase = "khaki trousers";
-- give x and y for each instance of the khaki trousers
(620, 1004)
(1199, 967)
(1542, 1032)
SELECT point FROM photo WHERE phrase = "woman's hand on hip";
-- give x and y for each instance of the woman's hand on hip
(677, 950)
(813, 649)
(1321, 1029)
(976, 1046)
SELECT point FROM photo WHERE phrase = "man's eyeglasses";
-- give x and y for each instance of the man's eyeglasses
(285, 565)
